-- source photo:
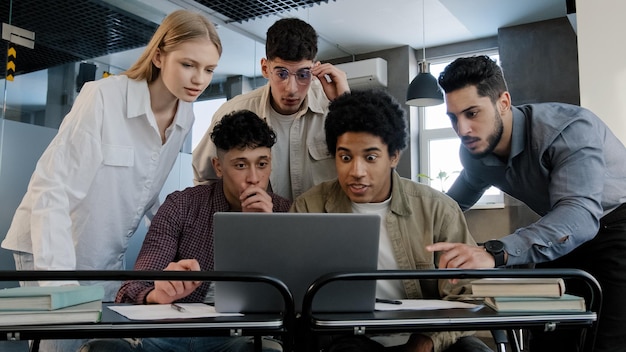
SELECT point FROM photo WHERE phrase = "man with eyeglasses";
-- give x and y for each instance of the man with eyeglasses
(295, 103)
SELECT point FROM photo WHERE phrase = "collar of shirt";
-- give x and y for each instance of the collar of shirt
(138, 101)
(518, 133)
(339, 202)
(137, 98)
(316, 99)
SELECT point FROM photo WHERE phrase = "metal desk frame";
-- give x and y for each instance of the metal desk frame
(450, 319)
(113, 325)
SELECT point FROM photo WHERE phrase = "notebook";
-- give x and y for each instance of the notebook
(296, 248)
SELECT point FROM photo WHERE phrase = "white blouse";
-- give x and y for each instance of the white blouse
(96, 180)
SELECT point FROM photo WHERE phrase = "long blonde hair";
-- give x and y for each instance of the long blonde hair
(178, 27)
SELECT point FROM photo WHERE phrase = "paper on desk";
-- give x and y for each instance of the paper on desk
(424, 304)
(165, 311)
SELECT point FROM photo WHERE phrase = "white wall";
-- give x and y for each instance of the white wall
(601, 57)
(22, 145)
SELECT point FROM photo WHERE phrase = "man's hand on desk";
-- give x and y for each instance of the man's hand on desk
(462, 256)
(169, 291)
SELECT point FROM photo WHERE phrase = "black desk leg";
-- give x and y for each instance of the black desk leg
(34, 345)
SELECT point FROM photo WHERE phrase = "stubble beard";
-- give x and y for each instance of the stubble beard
(493, 139)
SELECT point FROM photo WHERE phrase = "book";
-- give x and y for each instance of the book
(48, 297)
(564, 303)
(89, 312)
(518, 287)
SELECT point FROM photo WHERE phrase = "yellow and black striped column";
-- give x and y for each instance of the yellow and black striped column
(11, 55)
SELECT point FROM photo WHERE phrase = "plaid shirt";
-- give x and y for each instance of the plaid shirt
(183, 229)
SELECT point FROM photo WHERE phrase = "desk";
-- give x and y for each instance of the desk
(450, 319)
(116, 326)
(113, 325)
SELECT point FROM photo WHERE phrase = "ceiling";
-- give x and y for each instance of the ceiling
(112, 33)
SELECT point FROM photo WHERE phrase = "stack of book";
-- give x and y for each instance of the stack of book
(50, 305)
(527, 295)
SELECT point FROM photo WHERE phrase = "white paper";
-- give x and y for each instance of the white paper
(165, 311)
(424, 304)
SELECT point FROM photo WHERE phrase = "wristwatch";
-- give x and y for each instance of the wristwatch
(496, 249)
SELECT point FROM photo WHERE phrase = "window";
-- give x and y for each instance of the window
(439, 147)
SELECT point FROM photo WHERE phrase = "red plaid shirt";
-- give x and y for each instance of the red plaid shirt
(183, 229)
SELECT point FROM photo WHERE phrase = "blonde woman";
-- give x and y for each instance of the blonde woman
(103, 171)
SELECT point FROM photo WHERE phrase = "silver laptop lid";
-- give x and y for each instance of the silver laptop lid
(296, 248)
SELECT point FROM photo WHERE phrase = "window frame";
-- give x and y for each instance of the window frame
(493, 198)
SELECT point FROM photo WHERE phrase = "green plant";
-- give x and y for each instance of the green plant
(442, 176)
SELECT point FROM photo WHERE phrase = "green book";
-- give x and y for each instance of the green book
(48, 297)
(90, 312)
(564, 303)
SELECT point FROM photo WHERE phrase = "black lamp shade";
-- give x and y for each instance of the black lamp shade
(424, 90)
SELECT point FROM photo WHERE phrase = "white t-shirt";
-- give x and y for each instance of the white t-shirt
(389, 289)
(281, 124)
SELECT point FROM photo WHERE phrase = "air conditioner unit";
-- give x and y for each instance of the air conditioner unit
(366, 74)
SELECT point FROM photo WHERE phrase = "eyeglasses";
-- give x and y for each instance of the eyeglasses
(303, 75)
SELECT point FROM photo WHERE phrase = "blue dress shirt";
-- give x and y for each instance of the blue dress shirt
(565, 164)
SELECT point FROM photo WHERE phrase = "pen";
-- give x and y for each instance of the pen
(388, 301)
(177, 307)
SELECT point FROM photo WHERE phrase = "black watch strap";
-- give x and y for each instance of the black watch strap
(499, 258)
(496, 249)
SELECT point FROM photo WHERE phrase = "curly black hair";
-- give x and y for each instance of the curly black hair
(242, 129)
(372, 111)
(291, 39)
(480, 71)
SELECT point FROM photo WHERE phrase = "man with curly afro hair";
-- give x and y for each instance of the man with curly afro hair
(366, 132)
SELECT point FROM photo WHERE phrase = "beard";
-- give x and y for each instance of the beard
(493, 139)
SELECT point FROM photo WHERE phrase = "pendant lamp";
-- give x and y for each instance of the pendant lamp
(424, 90)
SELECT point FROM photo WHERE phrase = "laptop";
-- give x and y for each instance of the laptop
(296, 248)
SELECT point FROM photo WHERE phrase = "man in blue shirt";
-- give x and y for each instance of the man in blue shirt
(565, 164)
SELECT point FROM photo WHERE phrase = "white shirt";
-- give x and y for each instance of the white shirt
(96, 180)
